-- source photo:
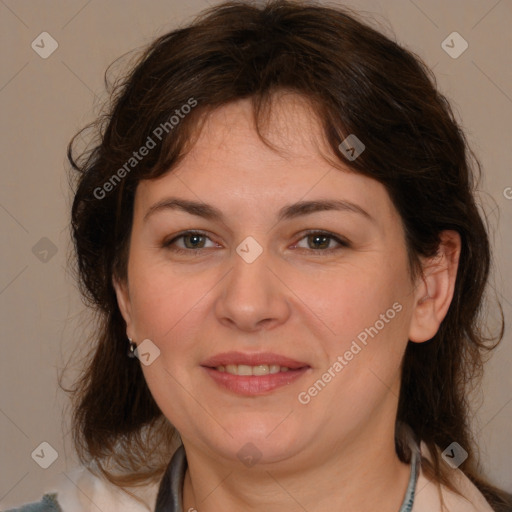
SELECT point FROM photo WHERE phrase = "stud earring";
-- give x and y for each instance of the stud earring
(131, 348)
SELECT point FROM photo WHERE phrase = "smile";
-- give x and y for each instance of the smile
(255, 373)
(244, 369)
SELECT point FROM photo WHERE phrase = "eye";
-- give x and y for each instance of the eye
(192, 241)
(322, 241)
(195, 241)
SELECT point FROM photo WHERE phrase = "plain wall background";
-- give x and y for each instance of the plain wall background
(45, 101)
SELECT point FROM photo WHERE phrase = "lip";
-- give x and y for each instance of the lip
(253, 359)
(251, 385)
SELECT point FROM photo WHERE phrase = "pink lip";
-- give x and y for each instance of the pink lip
(253, 384)
(254, 359)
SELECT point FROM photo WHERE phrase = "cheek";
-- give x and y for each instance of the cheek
(355, 298)
(161, 303)
(368, 312)
(170, 308)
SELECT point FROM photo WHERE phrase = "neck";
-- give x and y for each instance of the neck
(341, 479)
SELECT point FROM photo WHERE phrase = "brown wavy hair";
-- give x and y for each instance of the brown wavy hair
(359, 82)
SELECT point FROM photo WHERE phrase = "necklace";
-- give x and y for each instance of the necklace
(170, 492)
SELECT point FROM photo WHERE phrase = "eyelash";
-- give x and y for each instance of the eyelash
(342, 243)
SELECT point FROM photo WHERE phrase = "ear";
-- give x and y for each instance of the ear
(434, 290)
(124, 303)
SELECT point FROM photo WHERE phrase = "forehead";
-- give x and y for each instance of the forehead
(288, 123)
(230, 163)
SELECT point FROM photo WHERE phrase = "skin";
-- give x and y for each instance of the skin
(336, 452)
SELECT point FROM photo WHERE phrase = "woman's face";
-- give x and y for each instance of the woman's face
(275, 281)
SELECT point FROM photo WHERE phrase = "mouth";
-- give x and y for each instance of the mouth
(253, 374)
(261, 369)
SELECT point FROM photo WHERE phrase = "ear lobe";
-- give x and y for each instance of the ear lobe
(434, 294)
(123, 301)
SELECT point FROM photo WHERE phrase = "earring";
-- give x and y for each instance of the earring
(131, 348)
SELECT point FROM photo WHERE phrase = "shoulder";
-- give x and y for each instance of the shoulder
(80, 490)
(429, 495)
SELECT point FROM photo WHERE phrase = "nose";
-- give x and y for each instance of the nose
(253, 296)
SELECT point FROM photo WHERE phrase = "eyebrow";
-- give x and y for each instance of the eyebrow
(287, 212)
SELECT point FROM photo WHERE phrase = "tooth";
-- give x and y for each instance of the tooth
(262, 369)
(232, 368)
(244, 369)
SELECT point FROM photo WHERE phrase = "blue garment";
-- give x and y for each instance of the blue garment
(47, 504)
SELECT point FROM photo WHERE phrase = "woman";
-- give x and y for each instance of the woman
(278, 229)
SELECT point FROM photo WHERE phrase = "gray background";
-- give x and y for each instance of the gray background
(43, 103)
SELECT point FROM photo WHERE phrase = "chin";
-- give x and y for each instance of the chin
(257, 443)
